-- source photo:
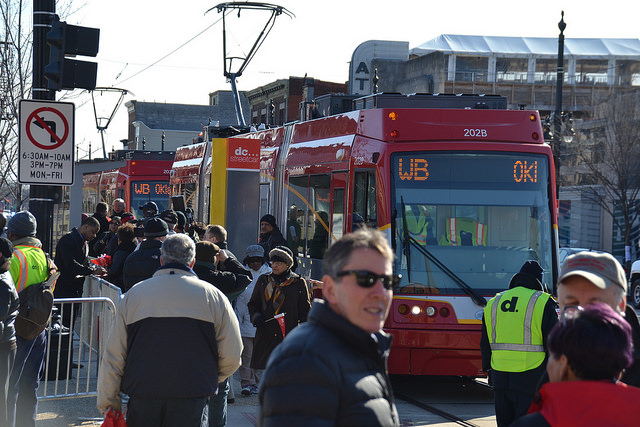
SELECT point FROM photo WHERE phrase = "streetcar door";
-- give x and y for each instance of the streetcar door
(338, 203)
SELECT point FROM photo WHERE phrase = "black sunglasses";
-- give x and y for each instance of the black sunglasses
(367, 279)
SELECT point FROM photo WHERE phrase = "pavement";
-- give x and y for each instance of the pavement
(82, 411)
(242, 413)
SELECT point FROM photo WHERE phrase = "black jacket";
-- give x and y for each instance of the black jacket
(328, 372)
(631, 375)
(71, 259)
(295, 304)
(232, 278)
(117, 263)
(9, 304)
(141, 264)
(270, 240)
(104, 228)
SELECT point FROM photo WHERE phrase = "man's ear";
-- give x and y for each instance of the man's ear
(567, 373)
(623, 303)
(329, 289)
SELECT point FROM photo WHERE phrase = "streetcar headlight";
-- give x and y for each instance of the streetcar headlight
(444, 312)
(403, 309)
(415, 310)
(431, 311)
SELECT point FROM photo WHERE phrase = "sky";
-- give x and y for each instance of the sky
(168, 51)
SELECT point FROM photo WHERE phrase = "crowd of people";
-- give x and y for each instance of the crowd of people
(192, 314)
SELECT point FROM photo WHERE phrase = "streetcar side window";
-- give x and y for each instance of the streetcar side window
(337, 225)
(364, 199)
(297, 224)
(319, 186)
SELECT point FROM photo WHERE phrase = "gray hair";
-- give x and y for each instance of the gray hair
(178, 248)
(339, 254)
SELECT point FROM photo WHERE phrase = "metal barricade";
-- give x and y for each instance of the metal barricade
(74, 350)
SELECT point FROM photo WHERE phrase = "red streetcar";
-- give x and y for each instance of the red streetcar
(463, 188)
(145, 177)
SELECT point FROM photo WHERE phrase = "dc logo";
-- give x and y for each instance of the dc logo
(509, 305)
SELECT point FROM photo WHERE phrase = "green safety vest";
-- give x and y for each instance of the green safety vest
(455, 226)
(513, 320)
(29, 266)
(418, 227)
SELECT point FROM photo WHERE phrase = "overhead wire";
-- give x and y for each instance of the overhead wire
(170, 53)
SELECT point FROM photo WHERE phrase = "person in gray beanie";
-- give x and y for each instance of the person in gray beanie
(29, 266)
(22, 224)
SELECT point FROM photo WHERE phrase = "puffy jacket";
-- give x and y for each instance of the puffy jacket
(141, 264)
(591, 403)
(242, 311)
(231, 279)
(174, 336)
(328, 372)
(271, 239)
(9, 304)
(117, 263)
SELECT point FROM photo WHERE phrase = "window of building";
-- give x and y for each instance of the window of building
(591, 72)
(547, 70)
(511, 70)
(471, 68)
(627, 73)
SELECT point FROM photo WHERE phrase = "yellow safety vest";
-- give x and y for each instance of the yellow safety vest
(29, 266)
(513, 320)
(418, 227)
(455, 226)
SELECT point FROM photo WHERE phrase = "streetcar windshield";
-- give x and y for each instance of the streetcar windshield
(149, 191)
(469, 220)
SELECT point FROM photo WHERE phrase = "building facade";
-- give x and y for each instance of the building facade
(286, 100)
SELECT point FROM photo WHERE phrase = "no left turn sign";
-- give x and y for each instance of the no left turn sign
(46, 142)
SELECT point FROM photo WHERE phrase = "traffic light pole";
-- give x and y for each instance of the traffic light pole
(40, 201)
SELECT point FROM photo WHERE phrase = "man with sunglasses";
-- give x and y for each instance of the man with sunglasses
(332, 369)
(515, 327)
(589, 277)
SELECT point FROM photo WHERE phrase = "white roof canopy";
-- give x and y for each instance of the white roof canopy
(536, 46)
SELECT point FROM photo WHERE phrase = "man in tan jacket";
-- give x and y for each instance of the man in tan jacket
(175, 337)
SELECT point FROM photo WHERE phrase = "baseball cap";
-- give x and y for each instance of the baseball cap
(149, 205)
(169, 216)
(600, 268)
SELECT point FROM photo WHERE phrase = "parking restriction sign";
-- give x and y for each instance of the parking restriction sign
(46, 142)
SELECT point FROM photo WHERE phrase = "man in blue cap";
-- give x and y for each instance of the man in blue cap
(515, 327)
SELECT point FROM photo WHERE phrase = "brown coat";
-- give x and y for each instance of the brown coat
(296, 305)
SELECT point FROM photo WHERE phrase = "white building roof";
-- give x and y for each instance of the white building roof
(525, 46)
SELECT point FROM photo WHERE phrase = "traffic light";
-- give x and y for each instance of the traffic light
(64, 39)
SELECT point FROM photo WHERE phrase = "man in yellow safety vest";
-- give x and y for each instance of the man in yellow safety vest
(29, 266)
(515, 328)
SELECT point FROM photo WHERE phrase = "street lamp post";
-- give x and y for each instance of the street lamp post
(557, 119)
